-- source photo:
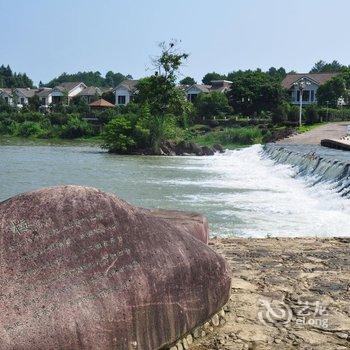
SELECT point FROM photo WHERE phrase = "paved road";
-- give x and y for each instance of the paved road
(314, 137)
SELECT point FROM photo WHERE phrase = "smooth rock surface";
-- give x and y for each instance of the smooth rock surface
(82, 269)
(195, 224)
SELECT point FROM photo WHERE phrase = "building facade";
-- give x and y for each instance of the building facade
(312, 81)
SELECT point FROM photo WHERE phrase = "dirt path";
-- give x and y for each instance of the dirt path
(314, 136)
(305, 282)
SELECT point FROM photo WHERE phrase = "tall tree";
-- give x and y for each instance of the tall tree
(187, 81)
(159, 94)
(254, 91)
(329, 93)
(324, 67)
(209, 77)
(9, 79)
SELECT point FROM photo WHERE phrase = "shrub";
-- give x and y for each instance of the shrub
(242, 136)
(311, 113)
(118, 135)
(293, 114)
(29, 128)
(75, 127)
(280, 115)
(211, 105)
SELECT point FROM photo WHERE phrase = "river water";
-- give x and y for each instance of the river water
(241, 192)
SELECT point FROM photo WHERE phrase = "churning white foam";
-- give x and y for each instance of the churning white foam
(264, 198)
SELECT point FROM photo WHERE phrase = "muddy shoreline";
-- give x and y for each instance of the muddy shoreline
(306, 281)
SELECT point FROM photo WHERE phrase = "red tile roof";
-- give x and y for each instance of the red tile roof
(101, 103)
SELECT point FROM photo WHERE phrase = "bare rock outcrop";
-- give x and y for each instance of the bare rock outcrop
(82, 269)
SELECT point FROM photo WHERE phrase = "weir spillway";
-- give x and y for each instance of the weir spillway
(319, 164)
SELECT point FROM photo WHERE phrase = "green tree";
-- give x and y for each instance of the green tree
(209, 77)
(212, 104)
(254, 91)
(8, 79)
(118, 135)
(324, 67)
(75, 127)
(160, 95)
(187, 81)
(329, 93)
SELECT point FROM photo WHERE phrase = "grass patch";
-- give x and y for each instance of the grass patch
(306, 128)
(231, 137)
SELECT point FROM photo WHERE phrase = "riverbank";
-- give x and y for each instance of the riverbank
(315, 272)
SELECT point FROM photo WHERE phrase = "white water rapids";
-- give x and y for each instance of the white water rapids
(241, 192)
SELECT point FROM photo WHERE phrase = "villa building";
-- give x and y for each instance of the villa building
(125, 91)
(313, 82)
(90, 94)
(216, 85)
(45, 96)
(7, 95)
(66, 91)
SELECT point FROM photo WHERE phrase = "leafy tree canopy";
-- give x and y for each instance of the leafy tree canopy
(212, 104)
(324, 67)
(254, 91)
(329, 93)
(209, 77)
(187, 81)
(90, 79)
(8, 79)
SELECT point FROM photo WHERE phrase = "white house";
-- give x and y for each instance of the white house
(90, 93)
(68, 90)
(124, 92)
(7, 95)
(216, 85)
(45, 96)
(23, 95)
(313, 82)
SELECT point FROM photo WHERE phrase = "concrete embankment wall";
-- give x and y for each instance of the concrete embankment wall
(313, 165)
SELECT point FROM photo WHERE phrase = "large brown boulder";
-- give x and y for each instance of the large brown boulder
(82, 269)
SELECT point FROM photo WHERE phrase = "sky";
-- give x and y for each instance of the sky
(45, 38)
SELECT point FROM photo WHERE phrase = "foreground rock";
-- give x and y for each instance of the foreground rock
(81, 269)
(305, 278)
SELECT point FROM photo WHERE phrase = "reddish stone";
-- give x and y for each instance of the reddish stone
(82, 269)
(195, 224)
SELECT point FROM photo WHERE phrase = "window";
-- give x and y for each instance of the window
(312, 95)
(43, 101)
(191, 97)
(22, 101)
(6, 99)
(306, 96)
(121, 100)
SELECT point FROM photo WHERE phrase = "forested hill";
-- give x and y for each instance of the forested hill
(9, 79)
(111, 79)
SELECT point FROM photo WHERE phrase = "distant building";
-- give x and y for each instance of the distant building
(90, 93)
(6, 95)
(23, 95)
(125, 91)
(314, 80)
(66, 90)
(45, 96)
(216, 85)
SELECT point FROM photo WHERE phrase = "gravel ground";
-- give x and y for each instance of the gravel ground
(287, 293)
